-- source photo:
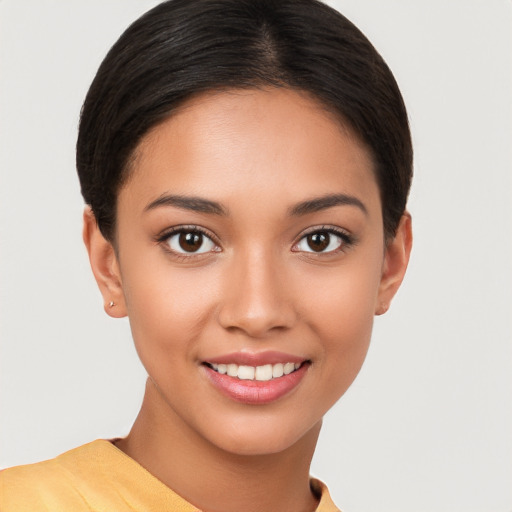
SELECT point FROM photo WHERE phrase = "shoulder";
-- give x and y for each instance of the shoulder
(320, 490)
(53, 485)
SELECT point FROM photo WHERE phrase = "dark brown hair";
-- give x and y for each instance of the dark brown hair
(184, 47)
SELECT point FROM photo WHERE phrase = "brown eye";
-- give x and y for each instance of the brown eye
(190, 242)
(322, 241)
(319, 241)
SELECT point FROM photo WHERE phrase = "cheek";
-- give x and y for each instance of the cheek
(168, 309)
(342, 299)
(340, 312)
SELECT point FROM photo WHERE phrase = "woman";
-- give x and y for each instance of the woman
(245, 166)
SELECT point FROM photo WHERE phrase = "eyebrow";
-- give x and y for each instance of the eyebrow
(198, 204)
(193, 203)
(317, 204)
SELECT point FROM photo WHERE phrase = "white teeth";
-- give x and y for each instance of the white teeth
(263, 372)
(278, 370)
(260, 373)
(289, 368)
(246, 372)
(232, 370)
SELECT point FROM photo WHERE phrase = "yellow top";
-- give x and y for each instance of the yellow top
(98, 477)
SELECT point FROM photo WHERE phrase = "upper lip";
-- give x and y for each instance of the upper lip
(256, 358)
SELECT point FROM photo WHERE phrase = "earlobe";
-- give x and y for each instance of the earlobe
(396, 259)
(104, 265)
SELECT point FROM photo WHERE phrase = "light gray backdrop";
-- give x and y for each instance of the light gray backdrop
(427, 424)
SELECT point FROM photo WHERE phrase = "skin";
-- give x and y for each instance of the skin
(258, 287)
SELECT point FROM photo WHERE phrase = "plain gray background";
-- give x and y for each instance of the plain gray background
(427, 425)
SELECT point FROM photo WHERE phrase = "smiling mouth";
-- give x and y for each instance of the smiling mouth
(262, 373)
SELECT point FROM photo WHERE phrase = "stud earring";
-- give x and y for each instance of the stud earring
(111, 304)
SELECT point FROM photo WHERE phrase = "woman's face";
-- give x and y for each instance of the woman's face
(250, 241)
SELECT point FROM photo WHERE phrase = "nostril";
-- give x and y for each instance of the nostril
(256, 321)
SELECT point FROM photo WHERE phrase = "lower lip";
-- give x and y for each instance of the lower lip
(256, 392)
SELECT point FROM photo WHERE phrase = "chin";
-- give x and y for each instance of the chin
(263, 438)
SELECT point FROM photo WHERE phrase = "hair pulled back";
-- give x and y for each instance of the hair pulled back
(184, 47)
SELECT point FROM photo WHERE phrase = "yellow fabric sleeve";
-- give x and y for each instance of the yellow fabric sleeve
(98, 477)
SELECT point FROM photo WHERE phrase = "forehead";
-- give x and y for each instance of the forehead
(278, 143)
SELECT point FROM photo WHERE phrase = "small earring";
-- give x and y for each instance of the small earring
(111, 304)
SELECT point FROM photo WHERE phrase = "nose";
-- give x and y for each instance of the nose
(255, 299)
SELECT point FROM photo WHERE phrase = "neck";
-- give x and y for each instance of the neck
(229, 482)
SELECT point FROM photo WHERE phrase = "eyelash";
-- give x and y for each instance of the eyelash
(163, 239)
(348, 240)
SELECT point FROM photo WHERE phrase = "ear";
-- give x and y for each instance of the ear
(105, 266)
(396, 259)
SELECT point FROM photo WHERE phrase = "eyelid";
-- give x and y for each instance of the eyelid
(167, 233)
(348, 239)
